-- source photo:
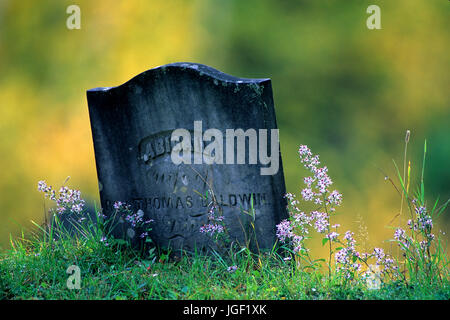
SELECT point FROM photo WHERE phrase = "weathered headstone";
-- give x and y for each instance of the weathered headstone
(140, 159)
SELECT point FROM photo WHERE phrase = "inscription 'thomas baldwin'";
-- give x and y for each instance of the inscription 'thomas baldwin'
(132, 125)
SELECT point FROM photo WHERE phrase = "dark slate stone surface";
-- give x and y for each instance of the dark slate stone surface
(131, 127)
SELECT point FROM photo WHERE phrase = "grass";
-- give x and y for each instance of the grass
(40, 266)
(37, 270)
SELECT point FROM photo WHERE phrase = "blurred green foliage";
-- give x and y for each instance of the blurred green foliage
(347, 92)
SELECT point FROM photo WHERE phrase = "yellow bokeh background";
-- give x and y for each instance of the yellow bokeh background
(348, 92)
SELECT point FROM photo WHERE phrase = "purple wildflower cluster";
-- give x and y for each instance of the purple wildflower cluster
(317, 185)
(317, 190)
(215, 223)
(119, 205)
(295, 229)
(424, 222)
(382, 259)
(347, 257)
(232, 269)
(135, 219)
(300, 222)
(421, 225)
(104, 240)
(284, 231)
(321, 221)
(285, 234)
(67, 200)
(332, 236)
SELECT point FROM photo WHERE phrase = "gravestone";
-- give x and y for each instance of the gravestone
(151, 137)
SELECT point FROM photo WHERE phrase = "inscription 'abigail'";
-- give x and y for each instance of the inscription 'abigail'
(159, 144)
(235, 141)
(155, 145)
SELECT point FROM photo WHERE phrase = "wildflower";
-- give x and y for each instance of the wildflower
(302, 221)
(349, 236)
(412, 225)
(323, 184)
(335, 198)
(212, 229)
(77, 207)
(379, 254)
(292, 202)
(342, 256)
(42, 186)
(321, 221)
(304, 151)
(345, 258)
(308, 181)
(104, 240)
(425, 222)
(320, 180)
(118, 205)
(136, 219)
(321, 173)
(101, 215)
(215, 224)
(318, 200)
(67, 199)
(307, 194)
(420, 211)
(314, 161)
(213, 208)
(332, 236)
(289, 196)
(143, 235)
(389, 265)
(212, 215)
(297, 243)
(284, 230)
(424, 244)
(399, 234)
(60, 210)
(365, 255)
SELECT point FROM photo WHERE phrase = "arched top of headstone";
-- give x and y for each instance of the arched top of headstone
(195, 68)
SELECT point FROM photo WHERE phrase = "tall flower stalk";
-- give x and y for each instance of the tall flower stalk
(423, 253)
(317, 190)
